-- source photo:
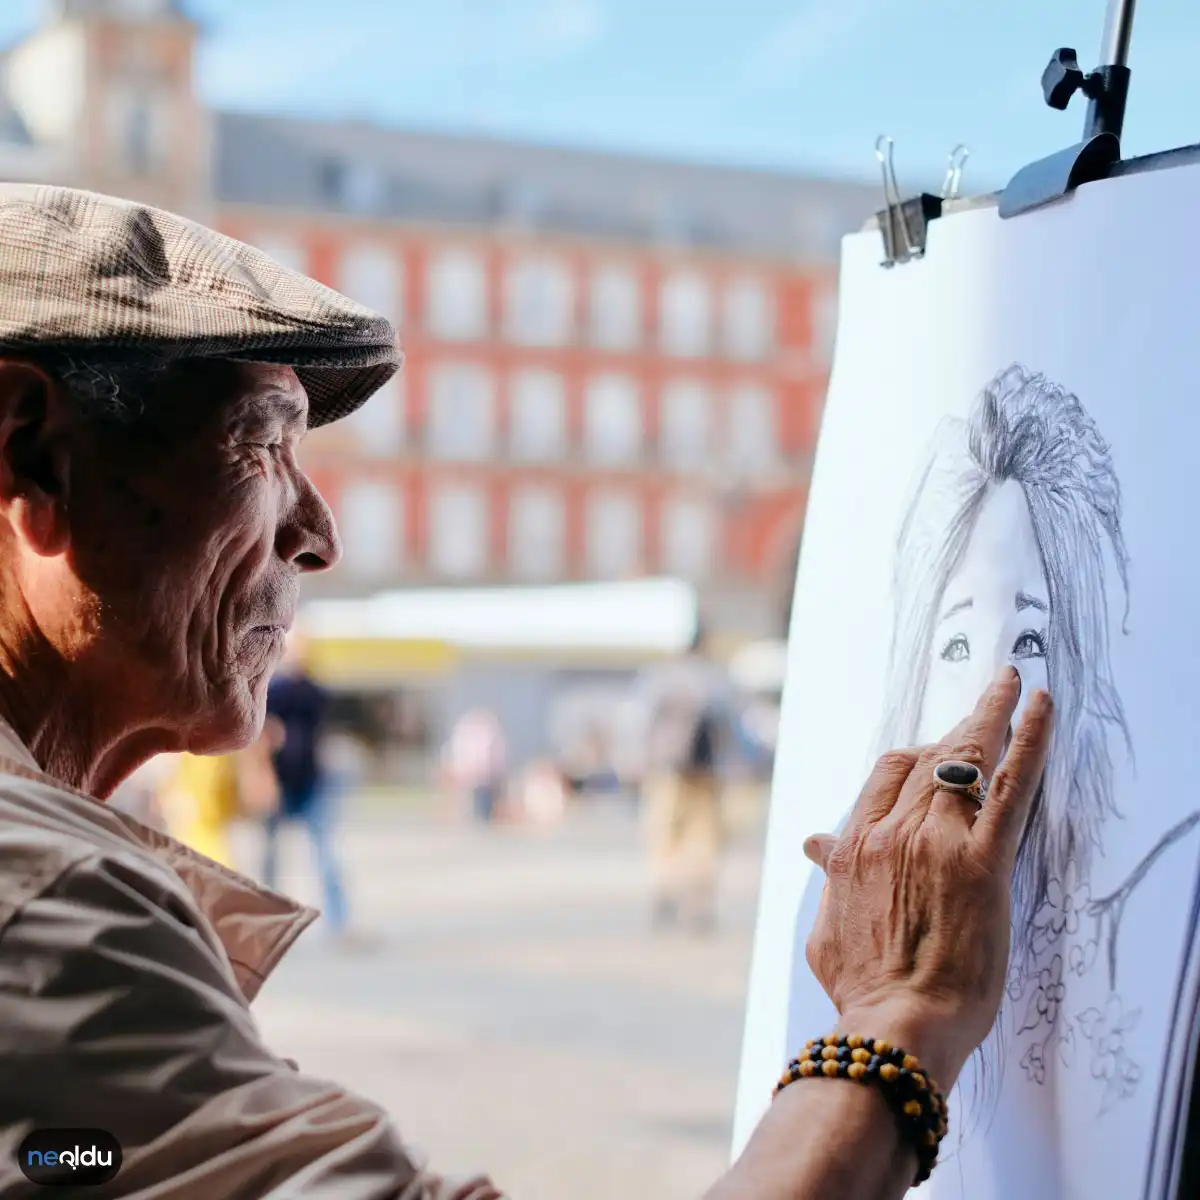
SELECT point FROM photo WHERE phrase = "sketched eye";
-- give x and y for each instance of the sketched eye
(957, 649)
(1031, 644)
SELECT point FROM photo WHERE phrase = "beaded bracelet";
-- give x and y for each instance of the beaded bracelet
(914, 1097)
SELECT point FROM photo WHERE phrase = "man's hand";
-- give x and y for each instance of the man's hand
(912, 937)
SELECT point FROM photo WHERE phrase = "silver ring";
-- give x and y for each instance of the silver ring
(954, 775)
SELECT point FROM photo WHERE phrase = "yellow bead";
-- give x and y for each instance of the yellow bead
(919, 1080)
(912, 1108)
(831, 1039)
(910, 1062)
(830, 1068)
(829, 1052)
(929, 1138)
(803, 1056)
(888, 1072)
(807, 1068)
(883, 1047)
(810, 1043)
(854, 1041)
(860, 1056)
(856, 1070)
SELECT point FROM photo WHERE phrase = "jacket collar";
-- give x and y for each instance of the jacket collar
(256, 926)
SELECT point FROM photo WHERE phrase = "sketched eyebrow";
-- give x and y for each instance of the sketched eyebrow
(1025, 600)
(967, 602)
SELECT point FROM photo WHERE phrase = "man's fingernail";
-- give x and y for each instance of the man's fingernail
(1007, 674)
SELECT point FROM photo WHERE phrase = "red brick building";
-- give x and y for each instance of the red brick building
(615, 366)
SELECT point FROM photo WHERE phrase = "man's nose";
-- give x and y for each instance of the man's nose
(308, 535)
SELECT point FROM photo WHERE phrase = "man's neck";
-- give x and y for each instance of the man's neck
(54, 717)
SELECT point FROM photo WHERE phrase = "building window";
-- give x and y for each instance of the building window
(284, 250)
(354, 186)
(613, 419)
(537, 416)
(686, 315)
(684, 440)
(752, 434)
(457, 296)
(687, 537)
(825, 316)
(378, 426)
(614, 309)
(614, 535)
(536, 529)
(538, 302)
(372, 529)
(372, 275)
(139, 126)
(458, 531)
(748, 323)
(461, 416)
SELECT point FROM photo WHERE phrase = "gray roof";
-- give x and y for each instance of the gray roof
(365, 169)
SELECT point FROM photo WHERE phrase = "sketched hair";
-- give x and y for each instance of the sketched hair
(1024, 428)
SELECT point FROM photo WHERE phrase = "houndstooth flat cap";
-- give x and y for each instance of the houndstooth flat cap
(93, 274)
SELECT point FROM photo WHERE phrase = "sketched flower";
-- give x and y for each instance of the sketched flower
(1045, 1002)
(1083, 956)
(1066, 1045)
(1033, 1063)
(1106, 1030)
(1129, 1079)
(1015, 987)
(1060, 910)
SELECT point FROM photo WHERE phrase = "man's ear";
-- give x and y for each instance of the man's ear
(35, 442)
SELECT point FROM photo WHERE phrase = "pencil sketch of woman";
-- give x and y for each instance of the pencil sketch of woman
(1003, 556)
(1011, 551)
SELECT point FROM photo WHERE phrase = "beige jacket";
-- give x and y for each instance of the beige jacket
(127, 964)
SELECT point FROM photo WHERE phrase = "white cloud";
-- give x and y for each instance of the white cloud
(813, 33)
(567, 25)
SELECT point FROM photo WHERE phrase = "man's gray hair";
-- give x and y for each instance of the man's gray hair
(109, 390)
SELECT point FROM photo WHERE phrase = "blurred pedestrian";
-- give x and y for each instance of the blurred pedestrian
(474, 761)
(688, 714)
(296, 711)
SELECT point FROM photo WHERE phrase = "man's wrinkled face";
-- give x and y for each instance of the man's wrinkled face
(192, 529)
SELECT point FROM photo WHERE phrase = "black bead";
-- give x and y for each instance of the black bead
(873, 1066)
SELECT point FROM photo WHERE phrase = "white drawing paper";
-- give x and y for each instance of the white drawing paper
(1006, 473)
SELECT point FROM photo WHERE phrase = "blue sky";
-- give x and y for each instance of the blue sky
(801, 84)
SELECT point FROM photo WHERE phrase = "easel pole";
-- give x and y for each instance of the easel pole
(1106, 109)
(1118, 29)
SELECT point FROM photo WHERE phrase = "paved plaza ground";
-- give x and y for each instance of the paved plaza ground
(519, 1016)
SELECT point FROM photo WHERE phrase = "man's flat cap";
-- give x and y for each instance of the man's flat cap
(92, 275)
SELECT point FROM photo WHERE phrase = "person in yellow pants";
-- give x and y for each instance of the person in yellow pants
(200, 801)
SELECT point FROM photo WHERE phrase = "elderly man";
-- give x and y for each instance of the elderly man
(155, 382)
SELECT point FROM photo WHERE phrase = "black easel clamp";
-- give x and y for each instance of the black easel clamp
(1107, 90)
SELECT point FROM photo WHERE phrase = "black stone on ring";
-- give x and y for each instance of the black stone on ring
(954, 775)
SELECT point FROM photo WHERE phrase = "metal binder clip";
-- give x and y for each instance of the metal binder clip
(954, 170)
(903, 223)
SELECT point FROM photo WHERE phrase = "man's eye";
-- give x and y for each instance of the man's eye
(957, 649)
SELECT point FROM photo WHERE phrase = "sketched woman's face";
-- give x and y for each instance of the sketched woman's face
(995, 609)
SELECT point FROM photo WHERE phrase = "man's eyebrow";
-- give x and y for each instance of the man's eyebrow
(1024, 600)
(966, 602)
(285, 404)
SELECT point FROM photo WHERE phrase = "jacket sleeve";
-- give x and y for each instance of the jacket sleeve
(117, 1013)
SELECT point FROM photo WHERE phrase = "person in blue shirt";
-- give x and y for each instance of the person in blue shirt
(296, 712)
